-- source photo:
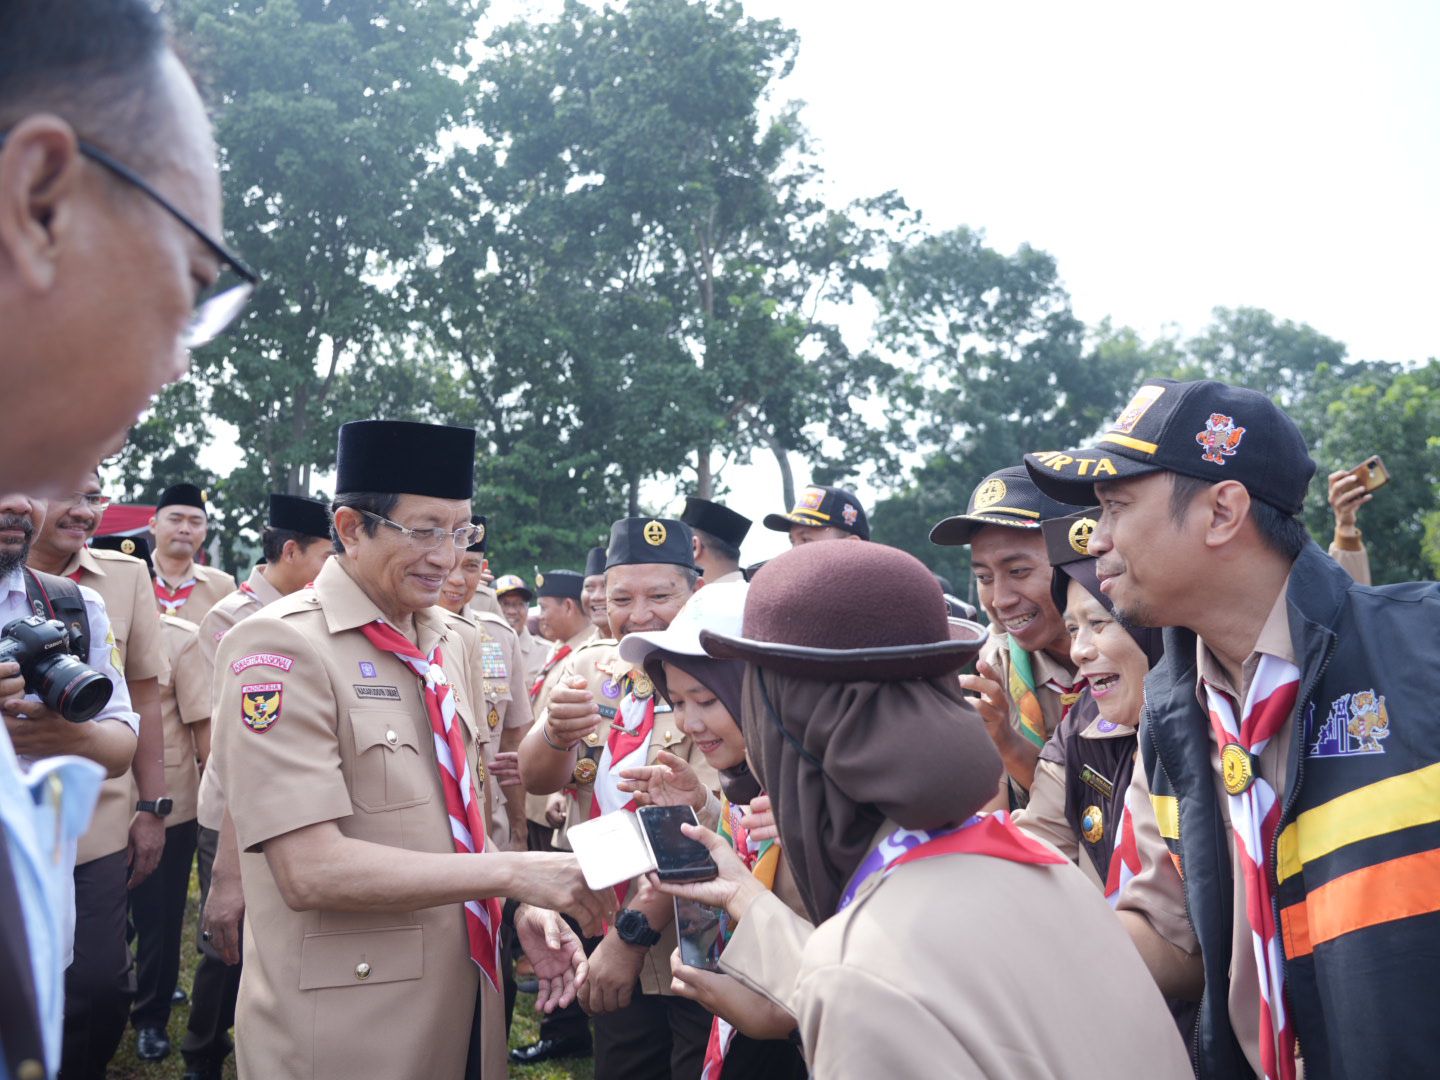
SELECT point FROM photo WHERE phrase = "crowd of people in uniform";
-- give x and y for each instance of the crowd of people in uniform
(1169, 806)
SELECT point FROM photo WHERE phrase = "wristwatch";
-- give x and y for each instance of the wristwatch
(633, 928)
(160, 807)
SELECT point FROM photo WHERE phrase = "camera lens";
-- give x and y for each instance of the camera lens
(72, 689)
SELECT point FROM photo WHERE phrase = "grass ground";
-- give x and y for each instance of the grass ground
(126, 1066)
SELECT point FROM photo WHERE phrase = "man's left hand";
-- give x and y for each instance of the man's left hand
(555, 953)
(614, 970)
(147, 844)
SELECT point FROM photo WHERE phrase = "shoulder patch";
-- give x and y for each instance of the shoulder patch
(260, 705)
(264, 659)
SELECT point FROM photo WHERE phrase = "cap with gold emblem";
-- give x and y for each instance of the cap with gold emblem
(182, 495)
(135, 546)
(650, 540)
(1007, 497)
(560, 584)
(1209, 430)
(481, 522)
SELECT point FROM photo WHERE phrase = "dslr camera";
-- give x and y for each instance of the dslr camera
(69, 687)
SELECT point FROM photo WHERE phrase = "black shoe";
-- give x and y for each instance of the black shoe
(179, 997)
(550, 1049)
(151, 1044)
(204, 1072)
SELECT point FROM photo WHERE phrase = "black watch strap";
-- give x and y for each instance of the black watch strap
(633, 928)
(160, 807)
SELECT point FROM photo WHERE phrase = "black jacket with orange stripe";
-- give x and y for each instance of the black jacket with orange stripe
(1355, 870)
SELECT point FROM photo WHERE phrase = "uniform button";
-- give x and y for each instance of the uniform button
(362, 971)
(391, 738)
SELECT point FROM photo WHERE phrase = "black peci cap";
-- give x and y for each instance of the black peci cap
(716, 519)
(819, 506)
(1006, 497)
(481, 522)
(595, 562)
(560, 584)
(398, 457)
(136, 547)
(299, 515)
(650, 540)
(182, 495)
(1209, 430)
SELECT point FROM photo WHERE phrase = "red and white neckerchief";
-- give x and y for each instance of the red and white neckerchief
(1255, 815)
(556, 655)
(1068, 695)
(173, 599)
(467, 822)
(1125, 859)
(628, 747)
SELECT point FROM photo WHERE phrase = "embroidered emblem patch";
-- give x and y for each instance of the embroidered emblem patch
(850, 514)
(1080, 534)
(810, 499)
(1358, 724)
(492, 660)
(367, 670)
(1221, 438)
(654, 533)
(1139, 405)
(990, 493)
(262, 659)
(610, 688)
(493, 718)
(260, 705)
(385, 693)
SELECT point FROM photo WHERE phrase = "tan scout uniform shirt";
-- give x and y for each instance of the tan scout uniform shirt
(184, 700)
(996, 653)
(535, 804)
(1157, 892)
(1044, 815)
(211, 586)
(486, 600)
(931, 972)
(599, 664)
(124, 584)
(240, 604)
(1354, 560)
(337, 995)
(507, 705)
(534, 650)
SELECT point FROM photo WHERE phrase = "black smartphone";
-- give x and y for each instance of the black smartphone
(700, 929)
(677, 857)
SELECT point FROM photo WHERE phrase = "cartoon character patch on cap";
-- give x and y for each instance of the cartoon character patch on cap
(1221, 438)
(850, 514)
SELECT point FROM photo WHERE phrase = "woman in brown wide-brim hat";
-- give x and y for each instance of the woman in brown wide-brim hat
(933, 925)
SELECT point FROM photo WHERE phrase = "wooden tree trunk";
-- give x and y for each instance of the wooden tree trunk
(704, 475)
(787, 477)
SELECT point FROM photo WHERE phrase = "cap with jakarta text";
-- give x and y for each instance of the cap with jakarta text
(1209, 430)
(1006, 497)
(818, 506)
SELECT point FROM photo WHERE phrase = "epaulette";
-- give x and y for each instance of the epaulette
(296, 602)
(595, 643)
(493, 619)
(178, 623)
(460, 617)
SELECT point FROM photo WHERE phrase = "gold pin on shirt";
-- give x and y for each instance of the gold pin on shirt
(585, 770)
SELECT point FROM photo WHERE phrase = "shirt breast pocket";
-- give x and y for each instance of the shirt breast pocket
(390, 771)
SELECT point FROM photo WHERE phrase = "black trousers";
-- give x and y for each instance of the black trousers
(157, 911)
(655, 1037)
(100, 981)
(217, 984)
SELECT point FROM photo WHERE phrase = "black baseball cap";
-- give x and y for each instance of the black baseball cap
(1206, 429)
(716, 519)
(638, 540)
(818, 506)
(560, 584)
(1006, 497)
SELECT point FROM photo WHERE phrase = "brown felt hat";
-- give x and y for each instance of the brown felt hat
(848, 613)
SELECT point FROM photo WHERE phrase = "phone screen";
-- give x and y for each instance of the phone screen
(700, 929)
(677, 857)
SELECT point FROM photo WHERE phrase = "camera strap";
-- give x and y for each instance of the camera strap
(54, 597)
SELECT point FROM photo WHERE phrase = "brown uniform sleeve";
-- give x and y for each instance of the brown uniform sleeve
(145, 656)
(190, 676)
(768, 950)
(1156, 893)
(1355, 561)
(282, 775)
(1044, 816)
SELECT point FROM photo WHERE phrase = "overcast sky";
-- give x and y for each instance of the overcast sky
(1172, 158)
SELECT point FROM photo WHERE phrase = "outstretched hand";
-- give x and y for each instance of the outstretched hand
(669, 782)
(555, 953)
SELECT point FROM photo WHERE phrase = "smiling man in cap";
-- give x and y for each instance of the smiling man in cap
(1026, 680)
(595, 590)
(1285, 743)
(350, 739)
(603, 717)
(183, 587)
(822, 513)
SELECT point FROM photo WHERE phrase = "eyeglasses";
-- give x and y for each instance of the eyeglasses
(94, 500)
(222, 302)
(430, 539)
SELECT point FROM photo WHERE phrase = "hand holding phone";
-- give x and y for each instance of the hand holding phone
(677, 857)
(701, 932)
(1372, 473)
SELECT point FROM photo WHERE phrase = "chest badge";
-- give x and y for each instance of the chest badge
(1092, 824)
(1237, 769)
(585, 770)
(493, 719)
(367, 670)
